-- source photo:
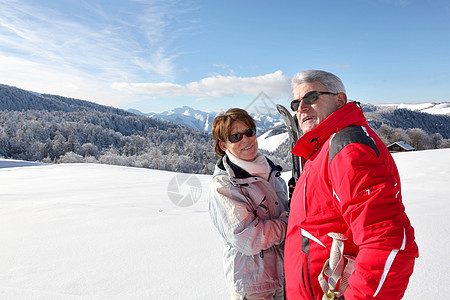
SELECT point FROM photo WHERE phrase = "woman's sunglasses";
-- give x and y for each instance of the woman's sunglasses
(309, 98)
(234, 138)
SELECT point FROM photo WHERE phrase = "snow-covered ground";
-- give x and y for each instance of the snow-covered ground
(87, 231)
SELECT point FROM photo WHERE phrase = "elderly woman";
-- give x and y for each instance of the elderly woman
(248, 206)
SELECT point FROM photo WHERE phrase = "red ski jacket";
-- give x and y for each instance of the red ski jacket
(349, 185)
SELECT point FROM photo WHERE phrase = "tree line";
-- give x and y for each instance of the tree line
(406, 119)
(137, 141)
(56, 129)
(104, 137)
(416, 137)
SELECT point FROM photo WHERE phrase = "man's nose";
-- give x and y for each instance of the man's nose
(303, 106)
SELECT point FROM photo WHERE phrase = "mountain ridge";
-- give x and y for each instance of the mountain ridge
(403, 116)
(49, 123)
(202, 120)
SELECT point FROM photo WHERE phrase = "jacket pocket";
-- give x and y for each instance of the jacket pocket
(306, 268)
(318, 202)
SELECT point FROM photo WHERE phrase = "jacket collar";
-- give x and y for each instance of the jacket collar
(309, 143)
(237, 174)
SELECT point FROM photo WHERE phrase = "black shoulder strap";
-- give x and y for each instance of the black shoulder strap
(349, 135)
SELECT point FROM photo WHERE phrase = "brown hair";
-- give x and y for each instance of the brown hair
(222, 123)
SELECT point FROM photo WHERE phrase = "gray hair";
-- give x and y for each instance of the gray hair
(331, 82)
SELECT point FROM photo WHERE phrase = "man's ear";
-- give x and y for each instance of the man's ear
(342, 99)
(222, 146)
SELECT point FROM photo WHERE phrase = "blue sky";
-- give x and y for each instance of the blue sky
(211, 55)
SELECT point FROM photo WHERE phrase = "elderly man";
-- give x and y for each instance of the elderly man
(347, 217)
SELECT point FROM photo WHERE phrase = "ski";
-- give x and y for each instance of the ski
(294, 133)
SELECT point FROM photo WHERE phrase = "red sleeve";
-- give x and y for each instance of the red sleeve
(370, 202)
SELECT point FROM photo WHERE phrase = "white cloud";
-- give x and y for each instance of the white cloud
(99, 55)
(101, 43)
(42, 78)
(92, 46)
(275, 84)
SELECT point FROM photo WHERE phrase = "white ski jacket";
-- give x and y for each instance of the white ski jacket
(246, 211)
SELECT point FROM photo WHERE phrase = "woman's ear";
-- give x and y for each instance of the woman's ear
(222, 146)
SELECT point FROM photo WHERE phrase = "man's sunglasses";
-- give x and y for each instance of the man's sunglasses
(309, 98)
(234, 138)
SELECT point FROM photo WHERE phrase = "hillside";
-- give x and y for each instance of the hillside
(407, 118)
(434, 108)
(15, 99)
(420, 130)
(57, 129)
(49, 128)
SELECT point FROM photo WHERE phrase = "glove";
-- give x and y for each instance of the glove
(291, 187)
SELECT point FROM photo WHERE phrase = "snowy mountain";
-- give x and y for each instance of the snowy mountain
(16, 99)
(271, 130)
(187, 116)
(202, 120)
(434, 108)
(42, 127)
(90, 231)
(430, 117)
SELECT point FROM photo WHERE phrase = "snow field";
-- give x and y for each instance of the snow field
(88, 231)
(103, 232)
